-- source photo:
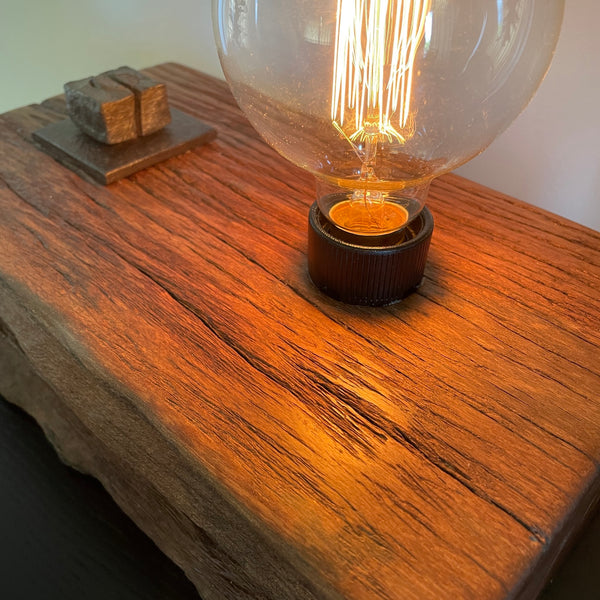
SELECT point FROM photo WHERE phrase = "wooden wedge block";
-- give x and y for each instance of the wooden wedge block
(151, 102)
(102, 108)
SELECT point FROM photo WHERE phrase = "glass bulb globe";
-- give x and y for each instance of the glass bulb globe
(378, 97)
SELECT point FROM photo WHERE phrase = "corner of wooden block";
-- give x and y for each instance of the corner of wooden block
(152, 105)
(102, 108)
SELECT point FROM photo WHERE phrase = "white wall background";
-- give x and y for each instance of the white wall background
(549, 157)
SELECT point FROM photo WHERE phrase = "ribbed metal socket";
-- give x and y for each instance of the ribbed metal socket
(354, 273)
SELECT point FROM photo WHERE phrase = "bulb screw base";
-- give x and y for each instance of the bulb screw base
(351, 269)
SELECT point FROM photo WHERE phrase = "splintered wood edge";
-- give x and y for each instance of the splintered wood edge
(225, 558)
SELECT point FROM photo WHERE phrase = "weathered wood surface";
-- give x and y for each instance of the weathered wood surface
(118, 105)
(102, 108)
(277, 444)
(151, 100)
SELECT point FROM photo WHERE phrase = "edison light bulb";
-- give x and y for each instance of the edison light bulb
(376, 98)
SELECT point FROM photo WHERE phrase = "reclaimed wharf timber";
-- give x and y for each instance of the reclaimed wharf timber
(277, 444)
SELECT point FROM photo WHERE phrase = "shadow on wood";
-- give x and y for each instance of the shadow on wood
(62, 537)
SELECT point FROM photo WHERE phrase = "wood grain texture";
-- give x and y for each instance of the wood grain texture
(151, 101)
(102, 108)
(277, 444)
(118, 105)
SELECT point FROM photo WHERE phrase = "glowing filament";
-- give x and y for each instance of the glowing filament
(375, 49)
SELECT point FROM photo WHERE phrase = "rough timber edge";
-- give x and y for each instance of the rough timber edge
(271, 571)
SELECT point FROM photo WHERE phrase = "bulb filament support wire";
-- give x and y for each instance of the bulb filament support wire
(375, 49)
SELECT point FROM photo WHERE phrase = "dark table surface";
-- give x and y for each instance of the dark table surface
(63, 537)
